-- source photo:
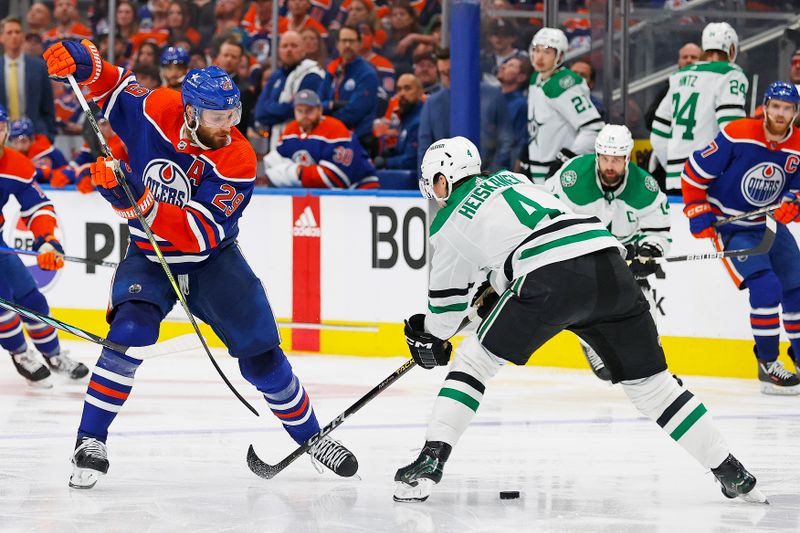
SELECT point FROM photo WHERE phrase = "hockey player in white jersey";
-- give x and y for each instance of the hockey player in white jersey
(562, 121)
(553, 270)
(702, 97)
(626, 200)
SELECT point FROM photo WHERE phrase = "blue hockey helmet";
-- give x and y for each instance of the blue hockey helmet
(22, 127)
(174, 55)
(783, 91)
(213, 96)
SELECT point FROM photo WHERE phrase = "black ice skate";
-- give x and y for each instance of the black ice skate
(775, 379)
(32, 369)
(595, 363)
(737, 482)
(415, 481)
(64, 365)
(333, 455)
(89, 462)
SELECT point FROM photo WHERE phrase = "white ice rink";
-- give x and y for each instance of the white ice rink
(582, 457)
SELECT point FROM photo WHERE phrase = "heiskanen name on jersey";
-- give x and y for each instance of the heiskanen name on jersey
(502, 225)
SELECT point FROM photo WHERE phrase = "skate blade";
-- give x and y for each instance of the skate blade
(46, 383)
(754, 496)
(406, 493)
(83, 478)
(769, 388)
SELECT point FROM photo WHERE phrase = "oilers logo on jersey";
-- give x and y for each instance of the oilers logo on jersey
(763, 183)
(167, 181)
(303, 157)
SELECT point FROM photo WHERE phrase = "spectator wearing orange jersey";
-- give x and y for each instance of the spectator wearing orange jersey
(298, 19)
(228, 14)
(381, 8)
(67, 23)
(178, 23)
(258, 19)
(362, 12)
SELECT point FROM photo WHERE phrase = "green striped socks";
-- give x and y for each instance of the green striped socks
(458, 400)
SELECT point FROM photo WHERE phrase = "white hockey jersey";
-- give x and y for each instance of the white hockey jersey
(701, 98)
(504, 227)
(637, 212)
(560, 115)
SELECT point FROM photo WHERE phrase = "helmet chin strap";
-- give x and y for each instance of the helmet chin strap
(193, 131)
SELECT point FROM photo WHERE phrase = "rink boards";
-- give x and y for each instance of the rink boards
(356, 265)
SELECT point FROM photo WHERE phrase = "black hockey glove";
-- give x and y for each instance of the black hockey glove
(643, 268)
(485, 298)
(561, 157)
(426, 350)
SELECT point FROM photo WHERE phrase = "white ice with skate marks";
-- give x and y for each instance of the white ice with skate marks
(582, 457)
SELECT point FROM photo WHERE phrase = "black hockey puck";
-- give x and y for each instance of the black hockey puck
(509, 494)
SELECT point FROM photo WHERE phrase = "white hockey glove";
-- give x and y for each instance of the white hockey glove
(281, 171)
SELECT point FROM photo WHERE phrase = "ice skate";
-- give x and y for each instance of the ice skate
(89, 462)
(32, 369)
(595, 363)
(736, 481)
(415, 481)
(775, 379)
(333, 455)
(64, 365)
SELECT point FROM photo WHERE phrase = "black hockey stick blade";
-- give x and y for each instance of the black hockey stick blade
(69, 258)
(267, 471)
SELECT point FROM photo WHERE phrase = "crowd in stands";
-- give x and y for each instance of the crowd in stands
(376, 66)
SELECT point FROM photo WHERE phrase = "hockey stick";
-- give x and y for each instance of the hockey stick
(761, 248)
(762, 211)
(267, 471)
(151, 237)
(93, 262)
(178, 344)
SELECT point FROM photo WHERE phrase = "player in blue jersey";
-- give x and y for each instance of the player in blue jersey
(192, 173)
(16, 283)
(753, 163)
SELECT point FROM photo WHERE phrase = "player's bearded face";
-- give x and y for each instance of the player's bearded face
(213, 127)
(778, 116)
(307, 116)
(611, 168)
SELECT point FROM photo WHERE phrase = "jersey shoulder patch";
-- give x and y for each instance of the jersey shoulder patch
(562, 80)
(235, 162)
(641, 188)
(579, 180)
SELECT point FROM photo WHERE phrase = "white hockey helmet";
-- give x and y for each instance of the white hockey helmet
(455, 158)
(721, 36)
(614, 139)
(551, 38)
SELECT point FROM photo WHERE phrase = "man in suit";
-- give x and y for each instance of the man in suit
(24, 86)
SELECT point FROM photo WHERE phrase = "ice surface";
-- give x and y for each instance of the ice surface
(582, 457)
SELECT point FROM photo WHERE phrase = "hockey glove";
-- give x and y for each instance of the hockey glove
(485, 298)
(426, 350)
(701, 220)
(789, 210)
(640, 266)
(51, 254)
(60, 178)
(85, 185)
(104, 178)
(81, 59)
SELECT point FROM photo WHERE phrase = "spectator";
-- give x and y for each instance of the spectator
(513, 76)
(202, 18)
(794, 71)
(38, 18)
(228, 57)
(121, 48)
(688, 54)
(153, 15)
(403, 37)
(34, 45)
(67, 24)
(48, 159)
(383, 67)
(318, 152)
(274, 108)
(409, 109)
(174, 66)
(495, 131)
(258, 19)
(298, 19)
(69, 115)
(178, 23)
(148, 54)
(228, 14)
(355, 88)
(313, 47)
(147, 76)
(585, 70)
(197, 59)
(426, 73)
(24, 84)
(501, 36)
(363, 12)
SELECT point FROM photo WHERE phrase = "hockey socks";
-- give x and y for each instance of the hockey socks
(109, 387)
(11, 336)
(678, 412)
(272, 374)
(462, 391)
